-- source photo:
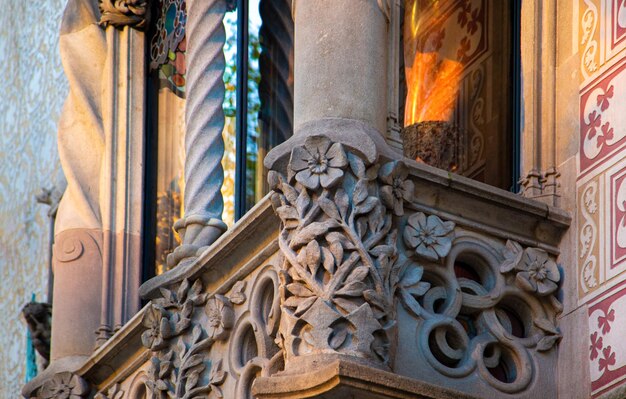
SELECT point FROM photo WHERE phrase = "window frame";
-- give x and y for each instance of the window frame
(397, 93)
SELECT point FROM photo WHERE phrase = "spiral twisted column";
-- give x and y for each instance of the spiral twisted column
(204, 118)
(276, 65)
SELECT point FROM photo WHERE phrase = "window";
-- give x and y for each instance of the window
(460, 92)
(258, 109)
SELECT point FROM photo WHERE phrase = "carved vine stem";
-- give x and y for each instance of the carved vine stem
(204, 119)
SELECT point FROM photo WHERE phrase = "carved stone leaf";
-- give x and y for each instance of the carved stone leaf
(354, 289)
(302, 203)
(161, 386)
(374, 299)
(287, 212)
(410, 304)
(299, 290)
(382, 250)
(546, 343)
(342, 201)
(217, 374)
(290, 193)
(337, 250)
(546, 325)
(357, 165)
(237, 295)
(337, 338)
(358, 274)
(313, 231)
(376, 219)
(329, 208)
(329, 260)
(346, 304)
(360, 192)
(313, 256)
(304, 305)
(192, 381)
(182, 290)
(512, 255)
(334, 236)
(361, 226)
(412, 276)
(218, 391)
(167, 295)
(367, 206)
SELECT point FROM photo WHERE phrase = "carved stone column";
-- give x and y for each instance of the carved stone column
(340, 85)
(337, 238)
(204, 119)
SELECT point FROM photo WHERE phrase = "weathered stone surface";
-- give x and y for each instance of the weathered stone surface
(342, 379)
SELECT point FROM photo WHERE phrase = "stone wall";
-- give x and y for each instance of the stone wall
(591, 140)
(34, 91)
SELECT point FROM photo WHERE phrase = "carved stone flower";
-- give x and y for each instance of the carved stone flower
(319, 161)
(221, 317)
(537, 272)
(154, 322)
(64, 386)
(430, 237)
(396, 188)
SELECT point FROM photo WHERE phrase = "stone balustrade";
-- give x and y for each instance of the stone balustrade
(383, 279)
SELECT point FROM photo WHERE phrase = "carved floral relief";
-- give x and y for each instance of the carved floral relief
(353, 256)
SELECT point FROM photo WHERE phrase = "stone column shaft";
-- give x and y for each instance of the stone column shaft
(340, 62)
(204, 120)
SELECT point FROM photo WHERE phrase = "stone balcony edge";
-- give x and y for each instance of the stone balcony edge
(334, 379)
(548, 223)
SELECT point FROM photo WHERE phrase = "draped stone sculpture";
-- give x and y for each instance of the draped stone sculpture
(77, 261)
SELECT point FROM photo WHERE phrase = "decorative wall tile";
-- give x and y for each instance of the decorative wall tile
(607, 347)
(590, 250)
(617, 224)
(601, 118)
(601, 35)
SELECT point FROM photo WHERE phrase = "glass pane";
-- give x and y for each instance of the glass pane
(270, 89)
(458, 63)
(167, 69)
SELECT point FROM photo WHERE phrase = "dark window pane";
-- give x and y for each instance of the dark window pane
(458, 61)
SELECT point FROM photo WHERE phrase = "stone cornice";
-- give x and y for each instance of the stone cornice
(341, 378)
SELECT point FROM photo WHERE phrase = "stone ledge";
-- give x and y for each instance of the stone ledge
(344, 379)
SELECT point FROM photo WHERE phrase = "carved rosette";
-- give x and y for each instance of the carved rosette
(63, 385)
(340, 271)
(121, 13)
(180, 363)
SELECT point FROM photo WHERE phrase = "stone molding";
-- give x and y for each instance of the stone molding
(343, 379)
(121, 13)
